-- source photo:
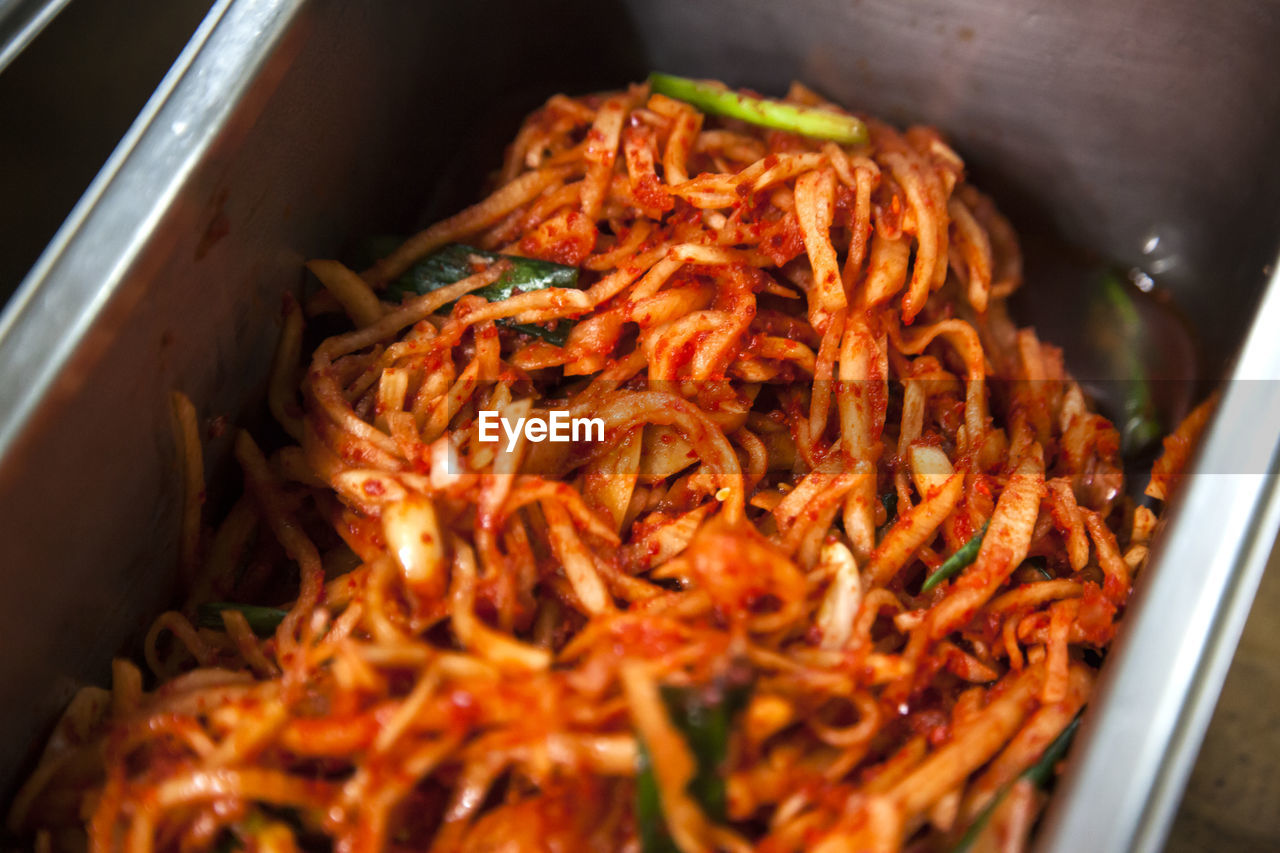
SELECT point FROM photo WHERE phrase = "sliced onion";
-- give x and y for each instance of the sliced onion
(413, 536)
(843, 598)
(930, 468)
(446, 469)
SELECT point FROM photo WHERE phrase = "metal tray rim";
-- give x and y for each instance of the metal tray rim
(78, 273)
(1126, 775)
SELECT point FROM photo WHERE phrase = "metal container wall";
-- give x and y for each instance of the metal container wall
(1142, 130)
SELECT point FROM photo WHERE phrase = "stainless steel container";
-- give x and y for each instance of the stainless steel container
(71, 82)
(21, 21)
(1142, 130)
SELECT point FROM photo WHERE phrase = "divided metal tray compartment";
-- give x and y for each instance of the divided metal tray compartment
(287, 127)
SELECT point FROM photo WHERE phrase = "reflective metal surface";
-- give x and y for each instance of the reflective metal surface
(85, 457)
(1143, 130)
(1161, 681)
(21, 21)
(65, 103)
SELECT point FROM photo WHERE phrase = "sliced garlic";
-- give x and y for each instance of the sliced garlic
(930, 468)
(843, 597)
(413, 536)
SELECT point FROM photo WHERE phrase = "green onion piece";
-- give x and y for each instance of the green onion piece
(957, 561)
(263, 620)
(704, 716)
(715, 98)
(1139, 421)
(454, 262)
(650, 821)
(1042, 771)
(1037, 774)
(890, 502)
(1037, 564)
